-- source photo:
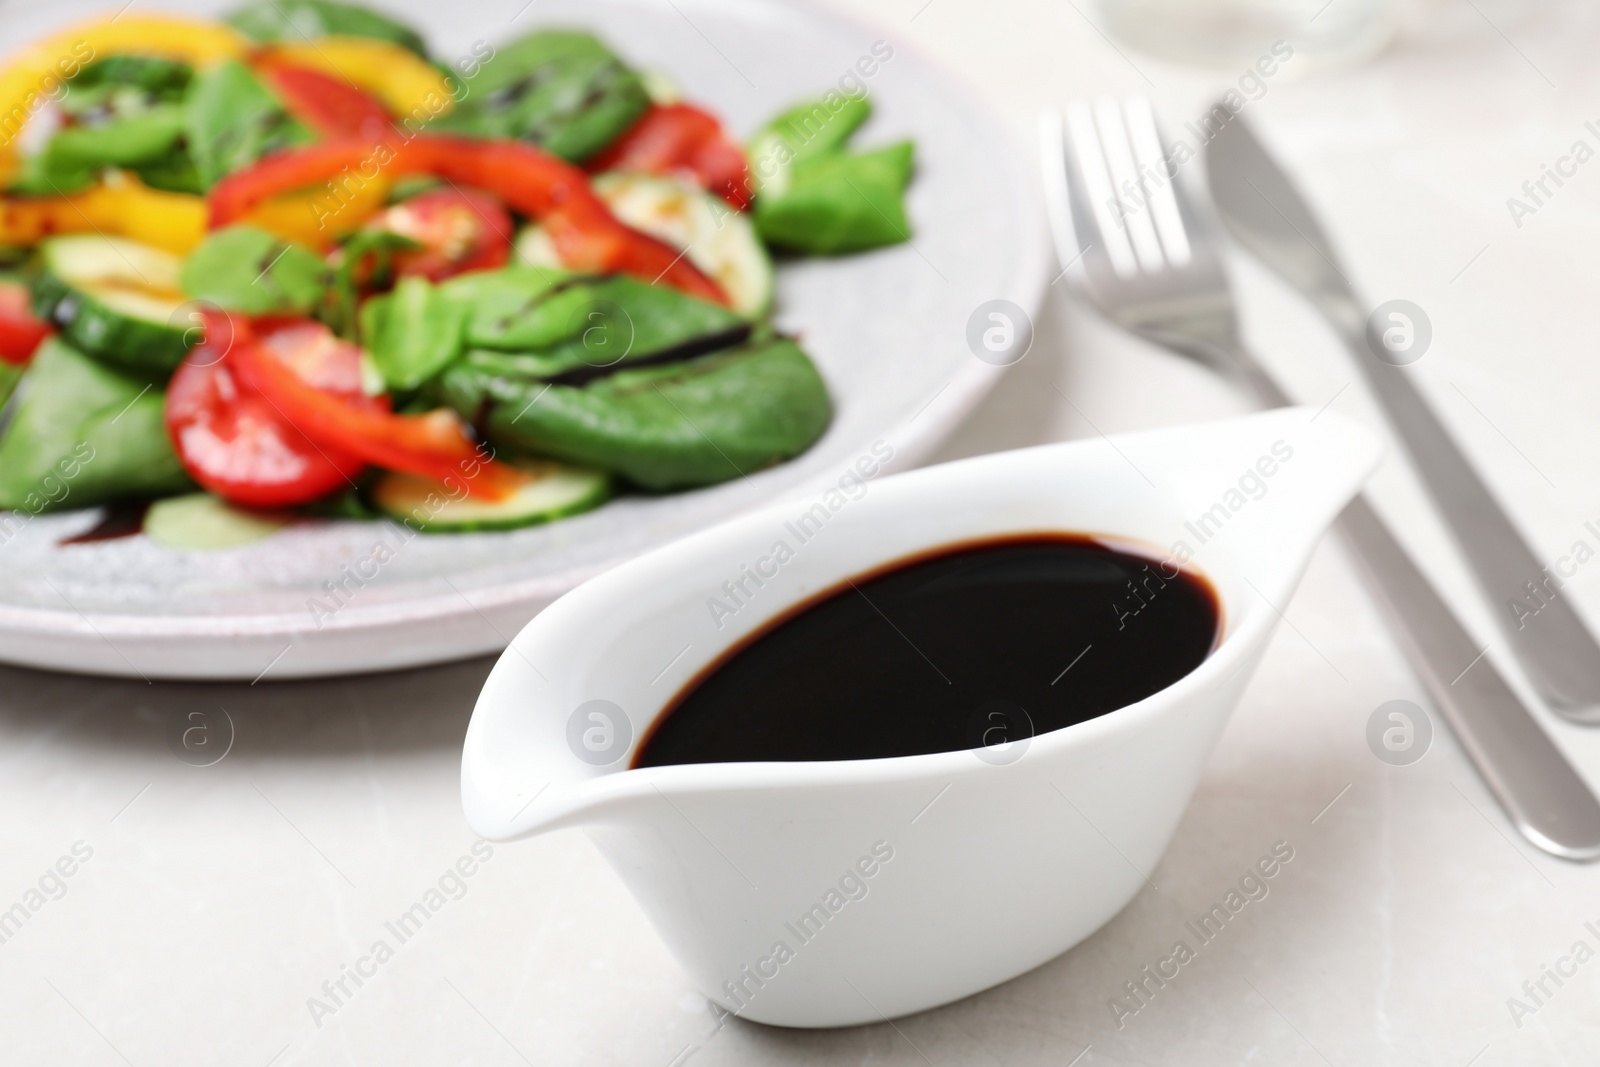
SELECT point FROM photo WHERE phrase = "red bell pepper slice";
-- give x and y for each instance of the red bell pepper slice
(237, 194)
(681, 138)
(20, 330)
(331, 106)
(285, 370)
(531, 181)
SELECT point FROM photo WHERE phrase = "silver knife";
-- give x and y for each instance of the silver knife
(1185, 303)
(1266, 213)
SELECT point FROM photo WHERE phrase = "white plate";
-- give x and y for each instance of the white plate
(888, 330)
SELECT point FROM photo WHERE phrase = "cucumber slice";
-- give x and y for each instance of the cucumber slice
(116, 300)
(720, 241)
(533, 248)
(91, 257)
(553, 491)
(202, 521)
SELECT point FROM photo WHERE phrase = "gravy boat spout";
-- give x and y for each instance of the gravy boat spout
(826, 893)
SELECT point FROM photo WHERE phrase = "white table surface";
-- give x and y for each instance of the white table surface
(217, 900)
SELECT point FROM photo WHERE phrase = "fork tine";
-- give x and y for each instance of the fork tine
(1161, 194)
(1152, 265)
(1095, 188)
(1132, 217)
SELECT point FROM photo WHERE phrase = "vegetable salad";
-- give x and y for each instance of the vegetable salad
(290, 262)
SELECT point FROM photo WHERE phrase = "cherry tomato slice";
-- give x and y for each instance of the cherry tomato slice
(459, 230)
(235, 443)
(329, 105)
(682, 139)
(317, 357)
(20, 331)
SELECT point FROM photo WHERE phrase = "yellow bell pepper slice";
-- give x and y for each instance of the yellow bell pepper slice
(315, 217)
(121, 206)
(35, 76)
(409, 86)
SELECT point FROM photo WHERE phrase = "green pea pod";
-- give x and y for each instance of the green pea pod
(232, 120)
(672, 426)
(561, 90)
(297, 20)
(839, 202)
(244, 268)
(413, 332)
(84, 434)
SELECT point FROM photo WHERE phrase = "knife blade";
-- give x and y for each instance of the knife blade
(1266, 213)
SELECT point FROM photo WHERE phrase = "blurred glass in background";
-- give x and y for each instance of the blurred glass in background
(1233, 32)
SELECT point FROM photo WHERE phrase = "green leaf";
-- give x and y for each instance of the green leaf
(372, 250)
(84, 434)
(10, 375)
(42, 175)
(677, 425)
(412, 332)
(820, 126)
(512, 309)
(243, 268)
(140, 138)
(561, 90)
(546, 323)
(297, 20)
(126, 111)
(816, 197)
(805, 131)
(174, 172)
(123, 86)
(164, 77)
(839, 202)
(232, 120)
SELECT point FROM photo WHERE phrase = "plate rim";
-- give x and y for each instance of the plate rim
(61, 638)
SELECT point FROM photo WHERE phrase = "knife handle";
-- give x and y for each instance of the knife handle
(1545, 632)
(1545, 797)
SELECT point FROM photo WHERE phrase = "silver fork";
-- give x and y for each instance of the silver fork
(1137, 249)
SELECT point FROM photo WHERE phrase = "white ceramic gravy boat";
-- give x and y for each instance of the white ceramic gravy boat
(831, 893)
